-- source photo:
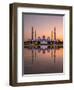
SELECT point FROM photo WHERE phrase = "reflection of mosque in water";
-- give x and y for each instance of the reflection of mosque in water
(42, 60)
(52, 53)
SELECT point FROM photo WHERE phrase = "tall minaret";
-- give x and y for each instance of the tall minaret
(35, 34)
(54, 34)
(51, 35)
(32, 32)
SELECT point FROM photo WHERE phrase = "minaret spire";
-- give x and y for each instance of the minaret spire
(32, 32)
(35, 34)
(54, 34)
(51, 35)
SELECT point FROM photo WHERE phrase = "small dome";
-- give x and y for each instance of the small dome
(43, 36)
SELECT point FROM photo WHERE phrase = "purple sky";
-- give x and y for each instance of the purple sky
(43, 24)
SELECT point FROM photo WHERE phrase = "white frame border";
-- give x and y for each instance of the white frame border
(40, 77)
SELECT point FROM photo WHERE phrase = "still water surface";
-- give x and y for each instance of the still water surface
(43, 60)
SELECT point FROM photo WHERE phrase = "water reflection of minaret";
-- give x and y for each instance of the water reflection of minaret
(32, 55)
(53, 54)
(35, 54)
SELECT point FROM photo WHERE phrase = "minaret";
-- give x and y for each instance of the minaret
(35, 35)
(51, 35)
(32, 33)
(54, 34)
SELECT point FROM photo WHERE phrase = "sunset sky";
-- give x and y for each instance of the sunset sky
(43, 24)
